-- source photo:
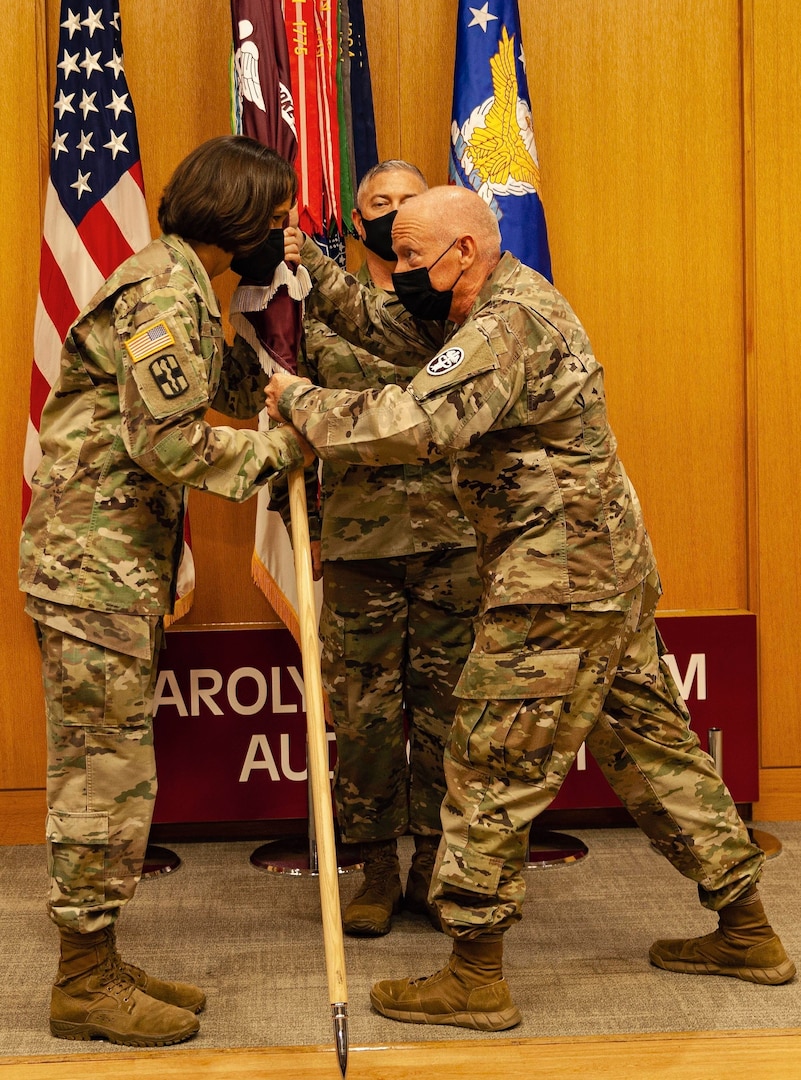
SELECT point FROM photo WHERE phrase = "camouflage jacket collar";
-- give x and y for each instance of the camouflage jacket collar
(498, 280)
(363, 275)
(187, 255)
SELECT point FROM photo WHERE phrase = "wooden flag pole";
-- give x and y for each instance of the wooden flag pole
(318, 769)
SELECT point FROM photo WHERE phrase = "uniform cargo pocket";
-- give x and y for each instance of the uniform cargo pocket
(469, 869)
(103, 689)
(519, 674)
(509, 721)
(89, 827)
(77, 844)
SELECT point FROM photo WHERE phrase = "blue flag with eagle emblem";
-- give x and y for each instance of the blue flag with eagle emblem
(492, 132)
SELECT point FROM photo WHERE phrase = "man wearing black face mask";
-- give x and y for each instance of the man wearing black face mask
(418, 295)
(400, 588)
(566, 648)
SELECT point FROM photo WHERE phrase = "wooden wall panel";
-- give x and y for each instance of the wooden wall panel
(382, 27)
(637, 120)
(426, 51)
(777, 404)
(21, 725)
(639, 124)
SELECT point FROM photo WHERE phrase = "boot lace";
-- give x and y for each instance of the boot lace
(131, 971)
(421, 980)
(114, 980)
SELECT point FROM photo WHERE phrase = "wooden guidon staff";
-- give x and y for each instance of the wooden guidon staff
(318, 769)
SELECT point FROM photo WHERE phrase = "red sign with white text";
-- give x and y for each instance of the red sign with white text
(714, 663)
(230, 726)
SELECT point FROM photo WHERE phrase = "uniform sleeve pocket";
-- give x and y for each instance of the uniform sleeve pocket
(170, 377)
(466, 356)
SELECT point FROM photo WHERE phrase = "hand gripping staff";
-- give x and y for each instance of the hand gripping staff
(276, 336)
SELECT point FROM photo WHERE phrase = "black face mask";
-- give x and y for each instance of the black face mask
(260, 265)
(418, 295)
(378, 236)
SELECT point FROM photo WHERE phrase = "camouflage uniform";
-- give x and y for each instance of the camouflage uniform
(566, 648)
(400, 591)
(123, 435)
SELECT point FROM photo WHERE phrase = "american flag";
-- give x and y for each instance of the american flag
(95, 210)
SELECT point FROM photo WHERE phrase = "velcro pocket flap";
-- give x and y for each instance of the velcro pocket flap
(518, 675)
(466, 356)
(87, 828)
(469, 869)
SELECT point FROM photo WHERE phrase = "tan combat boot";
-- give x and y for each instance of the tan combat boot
(744, 946)
(419, 880)
(93, 999)
(184, 995)
(469, 992)
(369, 914)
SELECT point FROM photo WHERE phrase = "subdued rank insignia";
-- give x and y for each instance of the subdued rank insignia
(168, 376)
(147, 342)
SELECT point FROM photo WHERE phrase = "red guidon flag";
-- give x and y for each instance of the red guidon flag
(312, 33)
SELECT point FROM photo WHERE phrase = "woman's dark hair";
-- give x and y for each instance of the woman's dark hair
(225, 192)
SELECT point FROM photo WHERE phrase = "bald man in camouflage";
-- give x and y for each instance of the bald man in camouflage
(566, 648)
(123, 436)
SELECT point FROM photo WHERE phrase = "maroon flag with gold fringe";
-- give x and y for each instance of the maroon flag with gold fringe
(290, 84)
(269, 316)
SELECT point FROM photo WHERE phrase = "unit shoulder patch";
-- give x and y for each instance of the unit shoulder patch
(445, 361)
(168, 376)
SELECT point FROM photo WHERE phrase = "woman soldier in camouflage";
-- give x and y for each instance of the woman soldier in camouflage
(123, 437)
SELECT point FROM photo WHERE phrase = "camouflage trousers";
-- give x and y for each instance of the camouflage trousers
(395, 635)
(539, 682)
(101, 776)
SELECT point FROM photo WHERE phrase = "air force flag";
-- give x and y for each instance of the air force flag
(492, 133)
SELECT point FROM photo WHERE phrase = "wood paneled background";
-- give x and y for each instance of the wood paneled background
(668, 138)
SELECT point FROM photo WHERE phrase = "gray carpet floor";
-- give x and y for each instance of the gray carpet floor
(577, 964)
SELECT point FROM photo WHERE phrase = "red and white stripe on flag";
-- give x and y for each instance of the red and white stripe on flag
(327, 26)
(313, 40)
(95, 210)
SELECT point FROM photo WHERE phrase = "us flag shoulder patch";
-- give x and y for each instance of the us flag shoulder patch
(147, 342)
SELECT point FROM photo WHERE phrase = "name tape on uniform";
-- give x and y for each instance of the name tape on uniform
(149, 341)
